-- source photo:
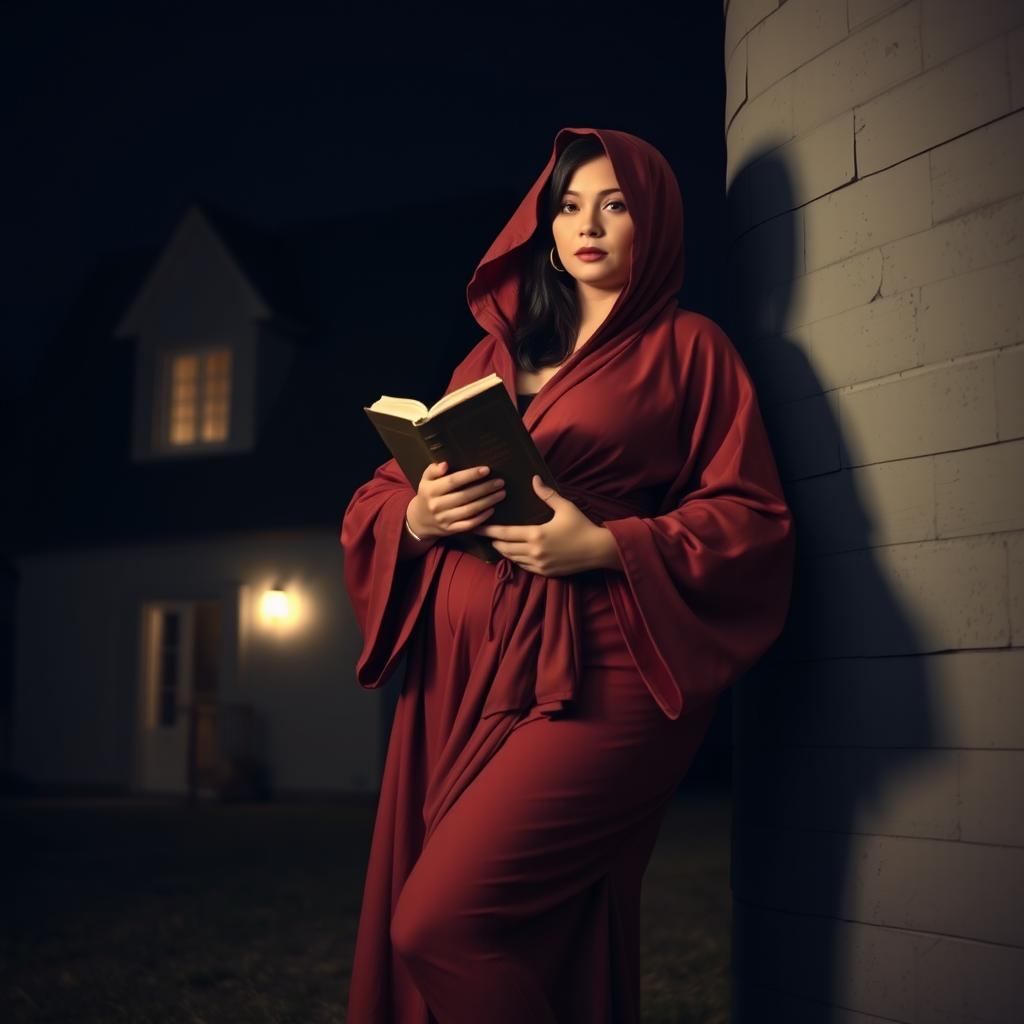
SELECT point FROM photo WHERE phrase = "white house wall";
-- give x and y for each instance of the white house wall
(77, 657)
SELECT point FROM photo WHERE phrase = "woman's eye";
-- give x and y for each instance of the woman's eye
(614, 202)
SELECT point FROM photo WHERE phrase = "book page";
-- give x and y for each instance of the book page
(416, 412)
(407, 408)
(474, 387)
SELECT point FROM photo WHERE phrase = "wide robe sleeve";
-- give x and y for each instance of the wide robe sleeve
(387, 594)
(705, 585)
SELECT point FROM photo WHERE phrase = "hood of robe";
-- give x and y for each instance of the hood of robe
(656, 258)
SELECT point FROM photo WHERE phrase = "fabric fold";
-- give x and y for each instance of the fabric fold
(706, 585)
(387, 594)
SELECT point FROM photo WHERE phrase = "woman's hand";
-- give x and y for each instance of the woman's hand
(447, 503)
(568, 542)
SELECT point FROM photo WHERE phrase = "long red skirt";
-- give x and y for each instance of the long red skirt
(521, 902)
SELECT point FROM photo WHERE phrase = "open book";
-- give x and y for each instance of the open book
(475, 425)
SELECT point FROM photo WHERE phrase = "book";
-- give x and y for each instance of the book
(477, 424)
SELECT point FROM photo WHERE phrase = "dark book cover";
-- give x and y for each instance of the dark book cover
(484, 429)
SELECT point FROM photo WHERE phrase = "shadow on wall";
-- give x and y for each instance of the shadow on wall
(834, 724)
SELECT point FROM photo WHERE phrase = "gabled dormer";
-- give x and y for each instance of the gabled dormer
(201, 326)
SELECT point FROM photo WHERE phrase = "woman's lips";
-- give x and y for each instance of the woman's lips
(591, 257)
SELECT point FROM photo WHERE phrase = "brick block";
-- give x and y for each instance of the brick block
(760, 270)
(865, 64)
(968, 981)
(901, 599)
(981, 167)
(955, 592)
(804, 437)
(741, 17)
(875, 210)
(863, 968)
(781, 370)
(991, 784)
(825, 787)
(761, 125)
(972, 312)
(806, 963)
(833, 289)
(867, 342)
(818, 162)
(770, 253)
(1015, 558)
(947, 100)
(960, 699)
(1009, 372)
(952, 888)
(921, 412)
(735, 81)
(860, 12)
(1015, 54)
(980, 490)
(887, 503)
(993, 234)
(949, 27)
(798, 31)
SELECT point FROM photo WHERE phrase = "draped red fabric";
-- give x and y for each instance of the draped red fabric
(652, 428)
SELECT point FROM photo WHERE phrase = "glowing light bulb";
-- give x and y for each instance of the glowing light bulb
(276, 605)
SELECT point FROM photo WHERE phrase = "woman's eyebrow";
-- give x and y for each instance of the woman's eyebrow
(603, 192)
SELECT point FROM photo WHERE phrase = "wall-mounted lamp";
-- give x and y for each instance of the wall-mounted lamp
(276, 605)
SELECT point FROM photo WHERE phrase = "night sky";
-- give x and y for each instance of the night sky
(117, 115)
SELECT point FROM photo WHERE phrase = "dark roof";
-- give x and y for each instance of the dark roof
(374, 320)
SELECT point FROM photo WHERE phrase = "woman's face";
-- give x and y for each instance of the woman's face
(593, 214)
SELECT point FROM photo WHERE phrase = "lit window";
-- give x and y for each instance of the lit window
(200, 397)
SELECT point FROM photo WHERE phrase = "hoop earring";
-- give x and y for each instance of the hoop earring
(551, 257)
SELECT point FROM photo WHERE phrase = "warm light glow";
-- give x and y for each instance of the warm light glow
(216, 395)
(200, 398)
(276, 606)
(279, 607)
(184, 376)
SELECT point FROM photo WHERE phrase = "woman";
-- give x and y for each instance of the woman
(554, 701)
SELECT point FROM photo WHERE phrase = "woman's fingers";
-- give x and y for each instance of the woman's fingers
(458, 501)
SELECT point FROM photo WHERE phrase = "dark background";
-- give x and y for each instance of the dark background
(343, 133)
(117, 115)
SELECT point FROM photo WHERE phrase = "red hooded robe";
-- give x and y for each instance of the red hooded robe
(652, 428)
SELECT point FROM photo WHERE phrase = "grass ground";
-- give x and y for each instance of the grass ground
(137, 911)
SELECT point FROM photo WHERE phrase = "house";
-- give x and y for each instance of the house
(192, 438)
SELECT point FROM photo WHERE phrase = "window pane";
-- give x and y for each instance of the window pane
(184, 383)
(217, 395)
(218, 363)
(186, 369)
(183, 431)
(200, 397)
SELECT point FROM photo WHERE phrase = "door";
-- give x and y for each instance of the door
(178, 750)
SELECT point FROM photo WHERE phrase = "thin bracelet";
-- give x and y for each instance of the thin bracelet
(410, 529)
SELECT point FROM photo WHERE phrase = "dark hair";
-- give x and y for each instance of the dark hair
(548, 318)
